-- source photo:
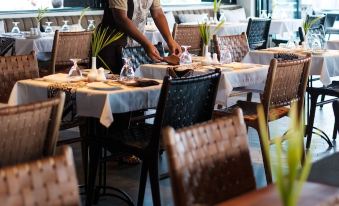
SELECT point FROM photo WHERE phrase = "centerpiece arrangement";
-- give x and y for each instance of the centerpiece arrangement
(206, 34)
(216, 8)
(39, 17)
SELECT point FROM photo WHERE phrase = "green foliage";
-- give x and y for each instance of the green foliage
(290, 175)
(308, 24)
(216, 5)
(205, 31)
(41, 13)
(82, 14)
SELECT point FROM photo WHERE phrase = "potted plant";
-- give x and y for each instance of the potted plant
(101, 39)
(290, 175)
(206, 34)
(41, 14)
(216, 7)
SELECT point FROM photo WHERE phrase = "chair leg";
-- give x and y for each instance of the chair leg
(154, 179)
(265, 156)
(335, 106)
(84, 153)
(310, 123)
(249, 96)
(142, 184)
(321, 100)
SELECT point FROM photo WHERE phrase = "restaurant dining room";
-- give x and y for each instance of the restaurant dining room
(167, 102)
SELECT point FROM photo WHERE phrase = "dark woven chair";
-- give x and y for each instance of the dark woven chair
(286, 83)
(188, 35)
(313, 30)
(183, 102)
(329, 25)
(6, 44)
(321, 20)
(47, 181)
(30, 131)
(139, 56)
(209, 162)
(257, 33)
(13, 69)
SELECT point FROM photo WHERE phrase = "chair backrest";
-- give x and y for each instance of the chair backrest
(209, 162)
(188, 35)
(257, 33)
(184, 102)
(6, 44)
(13, 69)
(29, 131)
(236, 44)
(316, 23)
(319, 31)
(48, 181)
(286, 82)
(139, 55)
(67, 45)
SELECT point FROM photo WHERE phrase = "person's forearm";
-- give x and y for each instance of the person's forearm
(161, 23)
(127, 26)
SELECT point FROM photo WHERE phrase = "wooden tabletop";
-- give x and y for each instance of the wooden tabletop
(312, 194)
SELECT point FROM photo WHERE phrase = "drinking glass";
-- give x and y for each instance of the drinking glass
(65, 27)
(91, 25)
(263, 14)
(48, 28)
(127, 71)
(15, 28)
(186, 57)
(316, 44)
(225, 57)
(75, 70)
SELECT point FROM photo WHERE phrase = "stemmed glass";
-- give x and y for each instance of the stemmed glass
(127, 71)
(48, 28)
(225, 57)
(91, 25)
(75, 70)
(65, 27)
(15, 28)
(186, 57)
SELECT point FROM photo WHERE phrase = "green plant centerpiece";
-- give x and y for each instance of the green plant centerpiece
(290, 175)
(41, 13)
(216, 8)
(307, 24)
(82, 14)
(101, 39)
(206, 34)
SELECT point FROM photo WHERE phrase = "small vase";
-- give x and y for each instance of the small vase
(215, 17)
(93, 74)
(205, 50)
(80, 26)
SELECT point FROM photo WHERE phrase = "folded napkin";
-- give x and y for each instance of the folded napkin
(175, 73)
(62, 78)
(140, 83)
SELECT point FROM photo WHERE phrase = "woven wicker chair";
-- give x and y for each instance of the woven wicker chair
(236, 44)
(286, 83)
(188, 35)
(257, 33)
(29, 131)
(139, 55)
(6, 44)
(13, 69)
(68, 45)
(48, 181)
(182, 102)
(209, 162)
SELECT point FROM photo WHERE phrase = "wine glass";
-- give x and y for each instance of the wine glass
(15, 28)
(263, 14)
(75, 70)
(127, 71)
(48, 28)
(186, 57)
(225, 57)
(65, 27)
(91, 25)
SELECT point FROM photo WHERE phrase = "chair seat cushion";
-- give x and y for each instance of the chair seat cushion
(250, 111)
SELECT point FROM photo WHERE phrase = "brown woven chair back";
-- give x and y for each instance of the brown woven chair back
(48, 181)
(13, 69)
(286, 82)
(236, 44)
(188, 35)
(209, 162)
(29, 131)
(68, 45)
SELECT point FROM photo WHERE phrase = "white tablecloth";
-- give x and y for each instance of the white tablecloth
(326, 65)
(92, 103)
(25, 46)
(332, 44)
(230, 79)
(280, 26)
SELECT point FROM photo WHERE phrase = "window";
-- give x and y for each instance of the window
(320, 5)
(169, 2)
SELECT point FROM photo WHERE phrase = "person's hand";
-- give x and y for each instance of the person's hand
(174, 48)
(153, 53)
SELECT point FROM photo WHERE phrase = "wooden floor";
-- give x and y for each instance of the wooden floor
(126, 177)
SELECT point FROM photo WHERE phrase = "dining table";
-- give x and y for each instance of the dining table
(332, 44)
(234, 75)
(324, 63)
(96, 103)
(314, 194)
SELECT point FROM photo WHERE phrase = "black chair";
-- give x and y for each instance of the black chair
(314, 30)
(315, 24)
(6, 44)
(257, 33)
(182, 102)
(314, 92)
(335, 106)
(139, 55)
